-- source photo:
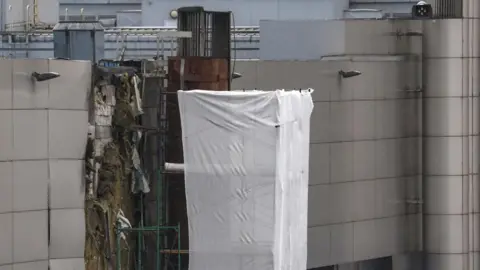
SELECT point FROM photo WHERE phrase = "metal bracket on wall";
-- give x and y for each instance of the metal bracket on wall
(399, 34)
(414, 201)
(416, 90)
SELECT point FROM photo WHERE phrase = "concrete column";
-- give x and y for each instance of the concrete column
(450, 145)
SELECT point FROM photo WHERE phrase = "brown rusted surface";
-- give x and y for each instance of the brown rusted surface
(199, 73)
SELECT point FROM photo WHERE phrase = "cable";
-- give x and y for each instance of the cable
(234, 49)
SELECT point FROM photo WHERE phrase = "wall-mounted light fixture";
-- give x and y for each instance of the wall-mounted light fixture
(236, 75)
(349, 74)
(40, 77)
(174, 14)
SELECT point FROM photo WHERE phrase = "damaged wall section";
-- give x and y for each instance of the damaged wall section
(42, 142)
(113, 169)
(126, 217)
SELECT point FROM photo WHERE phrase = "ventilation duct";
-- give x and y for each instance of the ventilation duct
(78, 40)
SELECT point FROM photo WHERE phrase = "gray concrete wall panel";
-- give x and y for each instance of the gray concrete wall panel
(43, 137)
(156, 12)
(316, 39)
(451, 142)
(364, 153)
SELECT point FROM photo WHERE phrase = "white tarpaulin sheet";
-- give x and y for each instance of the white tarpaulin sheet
(246, 178)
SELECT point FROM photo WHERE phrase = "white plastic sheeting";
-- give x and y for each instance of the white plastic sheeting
(246, 177)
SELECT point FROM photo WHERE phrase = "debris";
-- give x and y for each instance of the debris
(137, 100)
(123, 222)
(112, 162)
(139, 180)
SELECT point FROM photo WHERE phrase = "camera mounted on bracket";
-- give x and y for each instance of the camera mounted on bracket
(422, 10)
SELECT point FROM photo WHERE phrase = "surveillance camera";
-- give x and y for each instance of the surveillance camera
(422, 10)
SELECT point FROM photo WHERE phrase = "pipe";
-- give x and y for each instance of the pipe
(140, 30)
(174, 167)
(159, 220)
(27, 25)
(2, 14)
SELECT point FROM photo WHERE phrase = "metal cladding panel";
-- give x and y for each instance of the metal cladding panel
(78, 41)
(79, 45)
(447, 8)
(364, 153)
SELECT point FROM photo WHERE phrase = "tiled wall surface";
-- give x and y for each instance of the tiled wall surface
(451, 136)
(364, 153)
(42, 140)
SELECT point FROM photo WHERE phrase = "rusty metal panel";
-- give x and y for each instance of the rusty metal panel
(198, 73)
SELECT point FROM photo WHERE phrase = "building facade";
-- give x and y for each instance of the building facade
(394, 151)
(157, 12)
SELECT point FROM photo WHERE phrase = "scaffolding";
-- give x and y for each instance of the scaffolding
(160, 220)
(153, 231)
(161, 36)
(157, 241)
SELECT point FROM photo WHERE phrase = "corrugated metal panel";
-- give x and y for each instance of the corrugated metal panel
(447, 8)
